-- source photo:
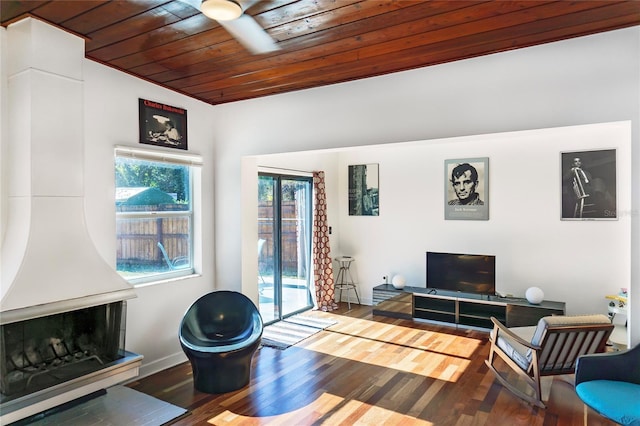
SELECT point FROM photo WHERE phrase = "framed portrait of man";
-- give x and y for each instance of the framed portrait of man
(466, 189)
(589, 185)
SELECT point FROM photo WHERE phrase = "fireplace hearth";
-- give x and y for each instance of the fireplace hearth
(52, 356)
(43, 352)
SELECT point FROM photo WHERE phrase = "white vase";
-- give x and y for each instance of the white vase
(534, 295)
(398, 281)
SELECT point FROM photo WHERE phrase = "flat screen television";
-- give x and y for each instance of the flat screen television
(468, 273)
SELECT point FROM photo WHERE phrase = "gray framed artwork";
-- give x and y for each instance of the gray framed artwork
(364, 190)
(589, 185)
(466, 189)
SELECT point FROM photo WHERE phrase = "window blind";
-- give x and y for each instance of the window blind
(192, 160)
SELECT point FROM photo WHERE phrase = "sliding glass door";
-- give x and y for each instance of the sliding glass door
(284, 245)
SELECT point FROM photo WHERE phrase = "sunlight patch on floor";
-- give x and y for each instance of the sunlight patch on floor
(360, 414)
(325, 403)
(458, 346)
(431, 354)
(327, 409)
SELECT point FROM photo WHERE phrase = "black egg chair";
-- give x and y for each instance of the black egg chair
(219, 333)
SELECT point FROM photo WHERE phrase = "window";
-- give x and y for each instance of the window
(154, 214)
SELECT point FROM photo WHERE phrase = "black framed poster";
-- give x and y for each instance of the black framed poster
(162, 125)
(364, 190)
(589, 185)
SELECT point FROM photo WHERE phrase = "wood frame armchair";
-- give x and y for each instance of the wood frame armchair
(550, 348)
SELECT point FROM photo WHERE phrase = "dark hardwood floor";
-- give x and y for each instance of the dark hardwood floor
(371, 370)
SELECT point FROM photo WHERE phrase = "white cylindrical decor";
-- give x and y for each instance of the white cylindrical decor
(534, 295)
(398, 281)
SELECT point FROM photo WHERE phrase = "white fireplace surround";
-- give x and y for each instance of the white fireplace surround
(49, 264)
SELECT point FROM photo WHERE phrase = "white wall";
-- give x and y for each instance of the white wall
(524, 200)
(586, 80)
(532, 246)
(4, 184)
(111, 118)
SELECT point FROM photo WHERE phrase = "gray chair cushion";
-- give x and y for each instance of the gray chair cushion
(515, 350)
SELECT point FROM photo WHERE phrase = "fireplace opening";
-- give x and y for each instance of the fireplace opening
(43, 352)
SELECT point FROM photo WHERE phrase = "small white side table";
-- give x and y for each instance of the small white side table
(618, 337)
(344, 280)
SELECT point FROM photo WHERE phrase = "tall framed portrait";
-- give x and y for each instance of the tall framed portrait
(466, 189)
(589, 185)
(162, 125)
(364, 190)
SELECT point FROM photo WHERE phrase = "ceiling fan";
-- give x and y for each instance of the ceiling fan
(230, 15)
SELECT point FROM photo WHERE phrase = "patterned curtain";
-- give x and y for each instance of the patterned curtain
(321, 251)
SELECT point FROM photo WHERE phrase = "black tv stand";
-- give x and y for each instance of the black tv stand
(476, 310)
(459, 309)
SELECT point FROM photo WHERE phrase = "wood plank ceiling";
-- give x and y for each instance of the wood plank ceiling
(169, 42)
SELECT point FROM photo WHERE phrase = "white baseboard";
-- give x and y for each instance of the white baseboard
(368, 302)
(148, 369)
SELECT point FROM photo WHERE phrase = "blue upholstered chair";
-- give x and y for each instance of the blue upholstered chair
(610, 384)
(219, 334)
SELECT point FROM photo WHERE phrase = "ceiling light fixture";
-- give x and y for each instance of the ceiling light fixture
(221, 10)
